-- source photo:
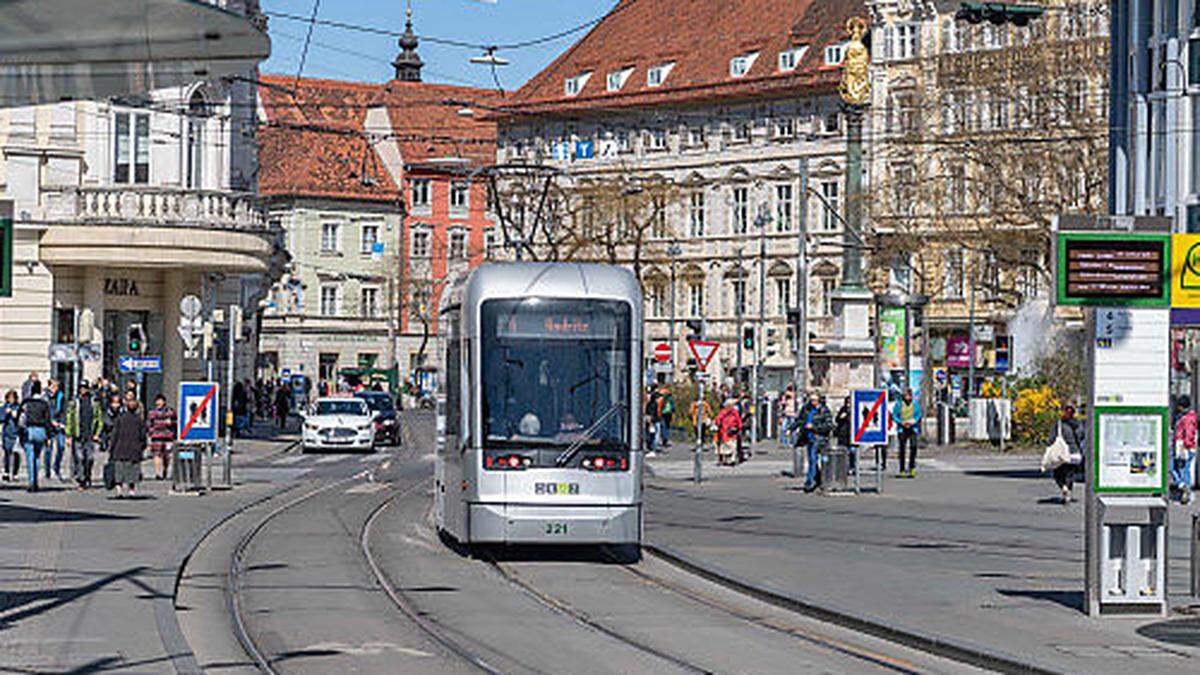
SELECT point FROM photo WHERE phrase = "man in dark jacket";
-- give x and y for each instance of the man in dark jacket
(816, 423)
(35, 421)
(128, 445)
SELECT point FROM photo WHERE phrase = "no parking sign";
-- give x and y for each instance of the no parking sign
(869, 417)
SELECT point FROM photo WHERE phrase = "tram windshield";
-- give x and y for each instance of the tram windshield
(556, 372)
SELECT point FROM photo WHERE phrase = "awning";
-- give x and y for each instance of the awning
(54, 50)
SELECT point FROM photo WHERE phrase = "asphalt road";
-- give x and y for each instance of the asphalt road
(311, 602)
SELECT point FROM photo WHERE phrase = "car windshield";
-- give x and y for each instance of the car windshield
(346, 407)
(378, 402)
(553, 369)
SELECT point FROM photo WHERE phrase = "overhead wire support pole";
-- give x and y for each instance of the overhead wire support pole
(800, 369)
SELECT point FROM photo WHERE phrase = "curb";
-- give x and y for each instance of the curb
(972, 655)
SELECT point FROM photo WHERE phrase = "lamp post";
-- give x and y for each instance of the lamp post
(761, 221)
(673, 251)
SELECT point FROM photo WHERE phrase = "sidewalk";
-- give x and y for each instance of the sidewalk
(88, 580)
(973, 552)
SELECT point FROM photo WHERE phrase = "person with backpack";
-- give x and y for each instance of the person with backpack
(666, 410)
(816, 423)
(36, 425)
(83, 426)
(10, 434)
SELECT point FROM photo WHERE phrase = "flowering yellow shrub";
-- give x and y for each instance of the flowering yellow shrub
(991, 389)
(1034, 412)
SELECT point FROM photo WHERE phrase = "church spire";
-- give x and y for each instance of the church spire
(408, 64)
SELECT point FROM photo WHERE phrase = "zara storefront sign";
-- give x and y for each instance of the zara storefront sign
(121, 286)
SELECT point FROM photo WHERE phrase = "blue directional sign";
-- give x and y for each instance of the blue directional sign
(140, 364)
(585, 149)
(197, 411)
(868, 417)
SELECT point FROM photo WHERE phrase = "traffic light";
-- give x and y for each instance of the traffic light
(748, 337)
(998, 13)
(137, 339)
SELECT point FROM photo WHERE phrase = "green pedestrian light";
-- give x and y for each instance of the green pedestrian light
(748, 337)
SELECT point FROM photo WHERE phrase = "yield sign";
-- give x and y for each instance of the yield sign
(703, 351)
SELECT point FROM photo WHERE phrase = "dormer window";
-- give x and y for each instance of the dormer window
(617, 78)
(834, 54)
(740, 65)
(789, 59)
(656, 75)
(575, 84)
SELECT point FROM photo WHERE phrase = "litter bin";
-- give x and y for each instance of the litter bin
(835, 474)
(186, 468)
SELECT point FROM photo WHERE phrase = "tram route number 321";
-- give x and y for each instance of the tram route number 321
(556, 528)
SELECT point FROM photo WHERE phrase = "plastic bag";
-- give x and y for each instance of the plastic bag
(1057, 454)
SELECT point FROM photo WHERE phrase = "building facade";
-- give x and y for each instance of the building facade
(982, 135)
(679, 133)
(373, 185)
(122, 208)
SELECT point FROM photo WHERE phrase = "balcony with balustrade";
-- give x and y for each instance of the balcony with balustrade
(116, 225)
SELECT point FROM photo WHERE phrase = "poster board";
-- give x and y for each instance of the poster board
(1131, 450)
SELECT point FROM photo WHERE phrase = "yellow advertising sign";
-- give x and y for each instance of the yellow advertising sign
(1185, 270)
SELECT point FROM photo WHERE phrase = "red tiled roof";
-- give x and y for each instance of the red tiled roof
(313, 143)
(700, 37)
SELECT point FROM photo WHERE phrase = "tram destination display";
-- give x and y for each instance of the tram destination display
(1114, 269)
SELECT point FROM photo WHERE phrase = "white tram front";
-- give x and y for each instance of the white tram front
(538, 414)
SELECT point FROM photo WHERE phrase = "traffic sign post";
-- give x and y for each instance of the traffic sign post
(199, 403)
(703, 351)
(869, 421)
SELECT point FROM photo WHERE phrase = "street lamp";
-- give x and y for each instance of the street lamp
(673, 251)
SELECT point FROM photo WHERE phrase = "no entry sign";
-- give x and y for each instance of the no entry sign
(662, 352)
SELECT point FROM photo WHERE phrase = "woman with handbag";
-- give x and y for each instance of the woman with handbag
(1070, 432)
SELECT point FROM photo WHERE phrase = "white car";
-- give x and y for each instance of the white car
(339, 424)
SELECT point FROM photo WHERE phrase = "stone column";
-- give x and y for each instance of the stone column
(93, 298)
(173, 292)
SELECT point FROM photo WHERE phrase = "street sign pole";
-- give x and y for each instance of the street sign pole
(696, 458)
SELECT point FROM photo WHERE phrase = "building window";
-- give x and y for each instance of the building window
(789, 59)
(656, 75)
(783, 207)
(696, 214)
(370, 236)
(420, 243)
(740, 65)
(695, 136)
(194, 143)
(331, 300)
(742, 131)
(658, 301)
(421, 189)
(831, 205)
(460, 196)
(828, 288)
(656, 139)
(832, 122)
(327, 366)
(696, 299)
(491, 242)
(331, 237)
(624, 142)
(574, 85)
(131, 150)
(783, 295)
(658, 218)
(956, 188)
(368, 305)
(737, 296)
(952, 275)
(906, 38)
(740, 210)
(367, 360)
(458, 245)
(834, 54)
(785, 127)
(616, 79)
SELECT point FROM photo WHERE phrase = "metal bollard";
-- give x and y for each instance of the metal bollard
(186, 468)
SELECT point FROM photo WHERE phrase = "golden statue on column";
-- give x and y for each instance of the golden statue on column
(855, 87)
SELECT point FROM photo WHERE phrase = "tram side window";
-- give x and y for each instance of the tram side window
(453, 378)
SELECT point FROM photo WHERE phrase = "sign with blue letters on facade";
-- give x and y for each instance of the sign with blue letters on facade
(140, 364)
(868, 417)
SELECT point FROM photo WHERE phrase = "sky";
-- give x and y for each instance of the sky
(354, 55)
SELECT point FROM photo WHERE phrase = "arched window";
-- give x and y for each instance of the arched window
(197, 116)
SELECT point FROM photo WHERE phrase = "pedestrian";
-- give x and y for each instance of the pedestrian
(701, 425)
(666, 410)
(652, 420)
(27, 385)
(1184, 448)
(83, 425)
(907, 416)
(729, 428)
(111, 412)
(10, 434)
(162, 422)
(58, 436)
(283, 406)
(817, 423)
(1072, 432)
(35, 424)
(240, 407)
(787, 415)
(128, 445)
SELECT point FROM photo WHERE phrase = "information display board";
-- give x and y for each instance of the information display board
(1105, 268)
(1131, 450)
(1132, 366)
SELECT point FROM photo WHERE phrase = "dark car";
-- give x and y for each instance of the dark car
(387, 423)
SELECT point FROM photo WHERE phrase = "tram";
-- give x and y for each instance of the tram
(538, 407)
